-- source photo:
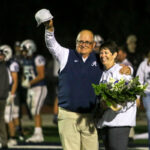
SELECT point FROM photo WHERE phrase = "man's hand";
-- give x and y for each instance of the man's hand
(49, 25)
(138, 102)
(125, 69)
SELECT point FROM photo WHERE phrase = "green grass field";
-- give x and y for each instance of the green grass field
(52, 140)
(51, 134)
(138, 130)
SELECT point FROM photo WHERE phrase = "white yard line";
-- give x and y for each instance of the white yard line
(139, 148)
(60, 147)
(36, 146)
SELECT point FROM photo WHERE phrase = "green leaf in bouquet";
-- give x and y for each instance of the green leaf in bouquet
(108, 103)
(96, 89)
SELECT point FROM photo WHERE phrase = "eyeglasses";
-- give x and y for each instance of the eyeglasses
(87, 43)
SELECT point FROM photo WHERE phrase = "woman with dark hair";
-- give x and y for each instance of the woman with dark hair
(115, 123)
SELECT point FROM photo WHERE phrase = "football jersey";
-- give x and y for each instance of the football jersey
(13, 66)
(29, 68)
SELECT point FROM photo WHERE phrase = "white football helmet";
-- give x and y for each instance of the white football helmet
(7, 51)
(28, 45)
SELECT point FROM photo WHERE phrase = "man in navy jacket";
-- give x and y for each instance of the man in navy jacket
(78, 70)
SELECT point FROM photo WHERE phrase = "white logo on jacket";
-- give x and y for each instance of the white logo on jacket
(76, 60)
(94, 63)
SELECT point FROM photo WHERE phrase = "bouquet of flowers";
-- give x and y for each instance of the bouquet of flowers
(118, 92)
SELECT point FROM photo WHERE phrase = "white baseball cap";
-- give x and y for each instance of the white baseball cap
(43, 15)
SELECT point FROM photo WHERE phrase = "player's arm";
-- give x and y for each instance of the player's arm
(14, 68)
(40, 75)
(15, 82)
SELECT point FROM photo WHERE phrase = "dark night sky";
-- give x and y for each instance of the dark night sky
(112, 19)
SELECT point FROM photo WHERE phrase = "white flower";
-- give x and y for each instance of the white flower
(121, 79)
(111, 80)
(140, 86)
(131, 81)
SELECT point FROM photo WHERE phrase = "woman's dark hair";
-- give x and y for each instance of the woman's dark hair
(111, 45)
(123, 48)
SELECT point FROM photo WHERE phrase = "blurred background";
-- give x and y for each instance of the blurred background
(112, 19)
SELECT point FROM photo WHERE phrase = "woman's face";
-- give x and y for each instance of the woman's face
(107, 58)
